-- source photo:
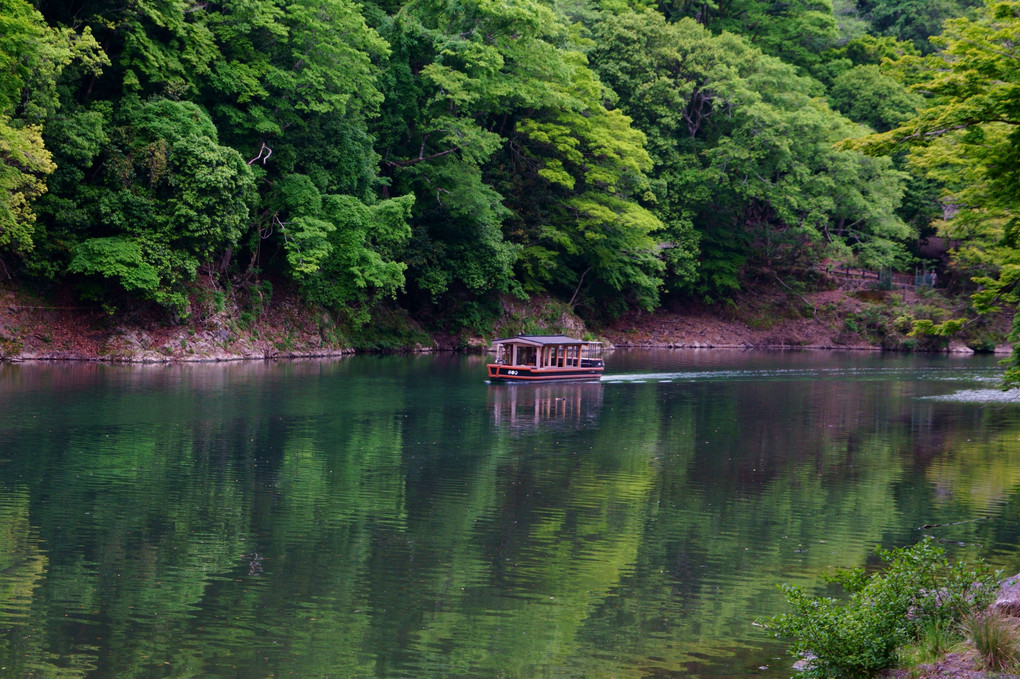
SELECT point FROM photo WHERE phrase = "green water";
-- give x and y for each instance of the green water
(399, 517)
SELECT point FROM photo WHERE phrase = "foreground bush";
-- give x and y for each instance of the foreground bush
(860, 634)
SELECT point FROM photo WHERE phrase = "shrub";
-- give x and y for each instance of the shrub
(983, 344)
(478, 317)
(388, 330)
(884, 611)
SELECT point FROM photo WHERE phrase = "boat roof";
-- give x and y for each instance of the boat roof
(541, 340)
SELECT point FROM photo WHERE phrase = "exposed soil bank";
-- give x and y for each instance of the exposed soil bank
(32, 328)
(37, 329)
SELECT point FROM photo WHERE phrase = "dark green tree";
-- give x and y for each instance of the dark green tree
(913, 20)
(865, 95)
(171, 197)
(743, 153)
(522, 176)
(797, 32)
(222, 137)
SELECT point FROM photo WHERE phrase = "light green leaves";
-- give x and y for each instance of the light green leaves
(968, 138)
(32, 57)
(24, 161)
(858, 635)
(120, 259)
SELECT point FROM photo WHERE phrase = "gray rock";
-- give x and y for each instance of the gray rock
(1008, 601)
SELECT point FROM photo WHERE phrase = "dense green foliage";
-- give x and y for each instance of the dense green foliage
(856, 637)
(966, 137)
(440, 153)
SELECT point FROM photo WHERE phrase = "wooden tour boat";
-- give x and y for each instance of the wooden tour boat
(529, 358)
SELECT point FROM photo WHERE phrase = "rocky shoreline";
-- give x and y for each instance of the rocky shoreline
(37, 330)
(965, 664)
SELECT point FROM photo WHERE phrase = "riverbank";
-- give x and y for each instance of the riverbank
(35, 328)
(849, 317)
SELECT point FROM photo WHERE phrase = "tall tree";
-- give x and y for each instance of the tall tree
(968, 138)
(169, 199)
(743, 153)
(497, 123)
(219, 130)
(913, 20)
(865, 95)
(798, 31)
(296, 88)
(32, 58)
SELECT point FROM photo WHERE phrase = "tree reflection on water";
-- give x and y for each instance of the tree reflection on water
(396, 516)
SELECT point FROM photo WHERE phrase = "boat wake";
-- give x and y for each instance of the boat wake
(675, 377)
(841, 374)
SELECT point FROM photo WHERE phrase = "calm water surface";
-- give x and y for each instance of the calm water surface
(399, 517)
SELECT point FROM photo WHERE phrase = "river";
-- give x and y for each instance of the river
(397, 516)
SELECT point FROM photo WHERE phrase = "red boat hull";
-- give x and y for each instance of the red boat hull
(501, 372)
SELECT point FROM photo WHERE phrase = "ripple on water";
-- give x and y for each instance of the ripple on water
(23, 561)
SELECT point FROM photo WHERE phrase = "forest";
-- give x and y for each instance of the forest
(435, 156)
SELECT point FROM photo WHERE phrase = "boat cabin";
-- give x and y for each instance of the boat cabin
(545, 357)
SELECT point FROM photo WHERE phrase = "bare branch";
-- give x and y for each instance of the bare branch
(578, 288)
(264, 149)
(439, 190)
(413, 161)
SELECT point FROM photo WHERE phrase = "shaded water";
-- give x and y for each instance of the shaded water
(397, 516)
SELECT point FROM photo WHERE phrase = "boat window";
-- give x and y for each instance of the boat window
(526, 356)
